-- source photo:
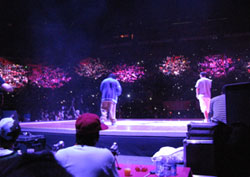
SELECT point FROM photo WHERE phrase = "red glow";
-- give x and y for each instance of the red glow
(13, 74)
(47, 77)
(217, 65)
(91, 67)
(174, 65)
(126, 73)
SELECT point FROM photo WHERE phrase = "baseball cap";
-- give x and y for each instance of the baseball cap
(88, 123)
(9, 128)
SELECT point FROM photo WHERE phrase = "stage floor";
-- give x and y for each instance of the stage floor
(126, 127)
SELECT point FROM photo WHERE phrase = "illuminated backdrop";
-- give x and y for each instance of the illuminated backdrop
(149, 90)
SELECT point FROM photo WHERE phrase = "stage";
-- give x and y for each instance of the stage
(141, 137)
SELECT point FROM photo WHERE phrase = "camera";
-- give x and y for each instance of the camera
(58, 146)
(114, 149)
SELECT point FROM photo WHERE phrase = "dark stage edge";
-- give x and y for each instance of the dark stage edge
(134, 137)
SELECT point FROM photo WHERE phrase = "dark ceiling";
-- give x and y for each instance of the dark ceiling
(71, 29)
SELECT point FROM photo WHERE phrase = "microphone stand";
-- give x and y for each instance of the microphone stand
(117, 164)
(115, 152)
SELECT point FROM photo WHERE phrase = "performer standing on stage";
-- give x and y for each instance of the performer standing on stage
(111, 89)
(203, 93)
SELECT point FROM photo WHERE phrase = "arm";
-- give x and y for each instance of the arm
(119, 89)
(197, 92)
(6, 87)
(197, 89)
(101, 87)
(110, 167)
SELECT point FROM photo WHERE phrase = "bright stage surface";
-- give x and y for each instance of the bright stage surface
(126, 127)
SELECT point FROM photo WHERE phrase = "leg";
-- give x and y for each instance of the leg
(206, 116)
(104, 111)
(112, 112)
(207, 108)
(203, 107)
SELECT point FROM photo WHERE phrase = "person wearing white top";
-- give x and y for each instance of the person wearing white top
(203, 93)
(83, 159)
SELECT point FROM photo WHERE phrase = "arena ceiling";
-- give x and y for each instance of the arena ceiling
(70, 28)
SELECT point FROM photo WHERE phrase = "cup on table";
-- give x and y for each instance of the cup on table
(127, 172)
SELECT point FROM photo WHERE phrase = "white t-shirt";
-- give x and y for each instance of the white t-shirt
(204, 86)
(87, 161)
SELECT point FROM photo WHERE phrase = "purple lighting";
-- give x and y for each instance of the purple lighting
(13, 74)
(91, 67)
(130, 74)
(217, 65)
(174, 65)
(47, 77)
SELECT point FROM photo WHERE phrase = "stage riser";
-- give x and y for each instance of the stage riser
(128, 145)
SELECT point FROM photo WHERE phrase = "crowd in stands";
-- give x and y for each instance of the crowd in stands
(61, 114)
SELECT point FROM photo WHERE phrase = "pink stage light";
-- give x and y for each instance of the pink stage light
(13, 74)
(174, 65)
(217, 65)
(130, 74)
(47, 77)
(91, 67)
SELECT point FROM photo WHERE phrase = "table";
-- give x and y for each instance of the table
(181, 171)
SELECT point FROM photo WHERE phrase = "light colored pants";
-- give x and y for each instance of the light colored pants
(108, 107)
(204, 103)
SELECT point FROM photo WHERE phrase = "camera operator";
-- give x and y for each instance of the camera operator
(9, 131)
(83, 159)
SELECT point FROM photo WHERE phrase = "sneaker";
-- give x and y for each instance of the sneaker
(113, 124)
(206, 121)
(104, 126)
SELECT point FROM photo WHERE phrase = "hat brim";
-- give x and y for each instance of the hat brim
(104, 126)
